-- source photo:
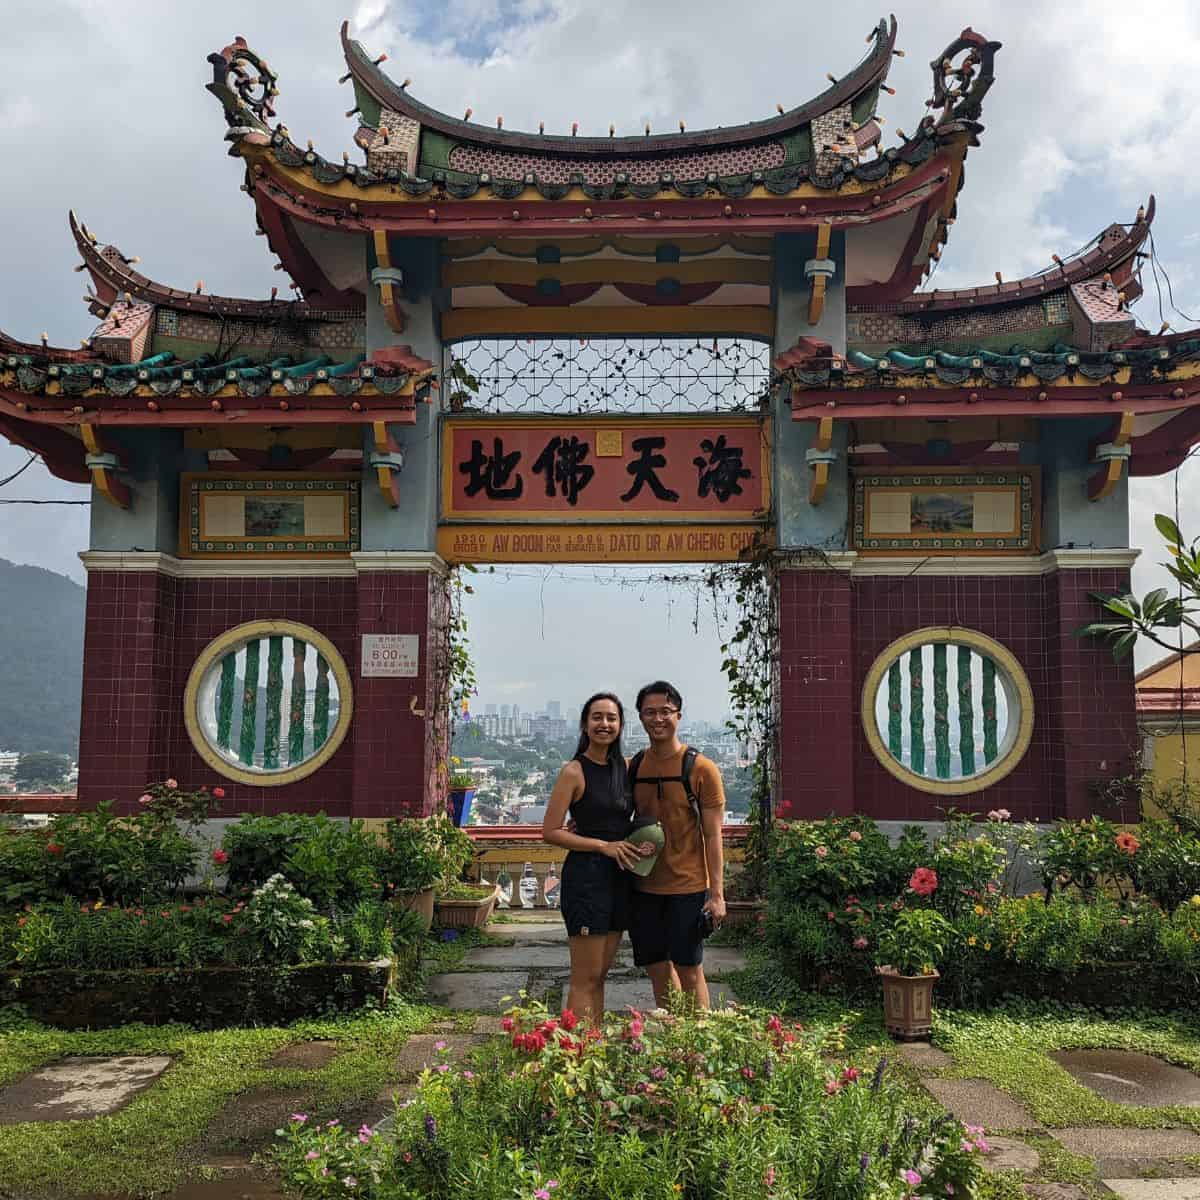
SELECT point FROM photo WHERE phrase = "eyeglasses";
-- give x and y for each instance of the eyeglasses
(650, 714)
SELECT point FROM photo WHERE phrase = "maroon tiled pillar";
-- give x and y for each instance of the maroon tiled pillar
(1093, 704)
(128, 700)
(397, 731)
(816, 703)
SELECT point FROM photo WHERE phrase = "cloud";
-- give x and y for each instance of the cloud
(1090, 113)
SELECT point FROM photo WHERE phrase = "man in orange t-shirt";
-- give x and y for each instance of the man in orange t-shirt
(689, 877)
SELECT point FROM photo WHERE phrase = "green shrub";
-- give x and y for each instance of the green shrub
(916, 942)
(95, 856)
(1166, 864)
(729, 1104)
(826, 861)
(332, 863)
(410, 859)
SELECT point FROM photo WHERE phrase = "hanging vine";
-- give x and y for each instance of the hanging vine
(454, 681)
(744, 599)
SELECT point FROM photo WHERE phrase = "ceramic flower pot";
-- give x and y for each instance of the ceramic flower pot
(907, 1003)
(419, 902)
(465, 914)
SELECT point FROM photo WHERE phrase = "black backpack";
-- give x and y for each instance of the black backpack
(690, 754)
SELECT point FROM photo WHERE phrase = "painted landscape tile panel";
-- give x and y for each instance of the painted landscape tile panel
(950, 512)
(268, 517)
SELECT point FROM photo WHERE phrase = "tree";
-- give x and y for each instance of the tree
(39, 770)
(1126, 618)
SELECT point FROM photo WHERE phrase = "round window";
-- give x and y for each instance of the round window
(947, 710)
(268, 702)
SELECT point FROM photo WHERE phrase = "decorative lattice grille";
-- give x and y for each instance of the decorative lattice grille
(607, 375)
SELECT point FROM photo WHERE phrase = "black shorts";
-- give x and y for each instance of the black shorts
(666, 928)
(595, 894)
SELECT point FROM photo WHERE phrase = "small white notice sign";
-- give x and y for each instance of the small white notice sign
(390, 654)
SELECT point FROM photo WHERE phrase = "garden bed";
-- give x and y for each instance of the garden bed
(200, 996)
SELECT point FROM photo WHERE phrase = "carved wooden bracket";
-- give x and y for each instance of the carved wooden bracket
(820, 457)
(819, 270)
(386, 277)
(388, 459)
(1113, 457)
(104, 465)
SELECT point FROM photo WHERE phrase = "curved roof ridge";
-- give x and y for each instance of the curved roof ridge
(1122, 243)
(11, 346)
(869, 73)
(113, 272)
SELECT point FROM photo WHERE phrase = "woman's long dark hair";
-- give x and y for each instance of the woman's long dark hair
(616, 759)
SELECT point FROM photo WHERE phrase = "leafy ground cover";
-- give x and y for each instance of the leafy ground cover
(147, 1146)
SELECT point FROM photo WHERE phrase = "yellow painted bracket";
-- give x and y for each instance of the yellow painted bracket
(1112, 455)
(386, 460)
(816, 299)
(820, 457)
(103, 464)
(387, 289)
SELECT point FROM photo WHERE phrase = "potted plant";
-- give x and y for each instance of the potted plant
(462, 792)
(454, 850)
(907, 959)
(411, 862)
(466, 905)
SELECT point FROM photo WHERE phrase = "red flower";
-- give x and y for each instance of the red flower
(569, 1020)
(220, 857)
(850, 1074)
(219, 793)
(1128, 843)
(21, 921)
(506, 1023)
(53, 848)
(924, 881)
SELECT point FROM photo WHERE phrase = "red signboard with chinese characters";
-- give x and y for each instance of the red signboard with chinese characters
(689, 469)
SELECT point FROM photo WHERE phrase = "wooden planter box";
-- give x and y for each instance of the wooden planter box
(419, 902)
(204, 996)
(466, 914)
(743, 912)
(907, 1003)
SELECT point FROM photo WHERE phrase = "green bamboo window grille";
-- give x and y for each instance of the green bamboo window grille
(268, 704)
(946, 711)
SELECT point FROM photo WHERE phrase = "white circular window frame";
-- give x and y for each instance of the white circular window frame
(233, 640)
(1017, 693)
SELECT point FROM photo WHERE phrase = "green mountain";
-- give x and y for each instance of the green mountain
(41, 659)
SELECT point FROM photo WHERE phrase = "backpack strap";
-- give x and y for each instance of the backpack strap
(690, 754)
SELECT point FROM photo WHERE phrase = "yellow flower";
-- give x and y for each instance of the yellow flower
(98, 906)
(1195, 900)
(979, 910)
(971, 940)
(987, 945)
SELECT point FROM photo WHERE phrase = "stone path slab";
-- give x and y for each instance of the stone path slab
(75, 1089)
(1109, 1142)
(722, 960)
(977, 1102)
(1155, 1189)
(922, 1055)
(304, 1056)
(532, 933)
(251, 1118)
(1054, 1191)
(477, 990)
(1008, 1154)
(1129, 1077)
(525, 955)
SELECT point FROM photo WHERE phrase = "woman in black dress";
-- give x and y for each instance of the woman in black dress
(595, 880)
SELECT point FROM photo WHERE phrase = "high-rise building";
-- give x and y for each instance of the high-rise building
(506, 710)
(553, 709)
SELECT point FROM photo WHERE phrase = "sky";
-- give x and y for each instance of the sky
(104, 110)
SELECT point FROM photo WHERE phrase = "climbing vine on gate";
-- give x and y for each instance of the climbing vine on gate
(745, 603)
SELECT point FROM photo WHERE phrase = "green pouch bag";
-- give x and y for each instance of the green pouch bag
(652, 833)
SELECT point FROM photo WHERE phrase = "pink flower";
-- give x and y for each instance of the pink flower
(145, 798)
(468, 1074)
(924, 881)
(636, 1028)
(850, 1074)
(855, 836)
(172, 783)
(999, 814)
(506, 1023)
(442, 1068)
(832, 1087)
(218, 793)
(911, 1177)
(747, 1072)
(311, 1155)
(299, 1118)
(822, 852)
(860, 943)
(769, 1176)
(439, 1045)
(220, 858)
